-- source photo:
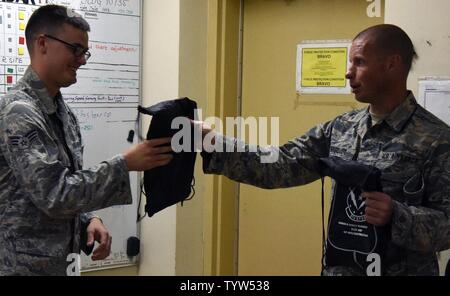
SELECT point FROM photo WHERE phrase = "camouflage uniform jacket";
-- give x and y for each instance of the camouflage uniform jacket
(412, 149)
(43, 189)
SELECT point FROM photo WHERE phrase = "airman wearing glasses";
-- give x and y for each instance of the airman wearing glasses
(78, 50)
(45, 194)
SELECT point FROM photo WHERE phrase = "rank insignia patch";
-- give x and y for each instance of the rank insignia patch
(24, 142)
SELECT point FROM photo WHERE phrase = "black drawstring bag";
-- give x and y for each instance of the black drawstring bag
(167, 185)
(350, 238)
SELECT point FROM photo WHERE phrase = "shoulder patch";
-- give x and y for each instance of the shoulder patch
(24, 142)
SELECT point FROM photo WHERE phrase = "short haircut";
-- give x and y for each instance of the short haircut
(390, 39)
(49, 19)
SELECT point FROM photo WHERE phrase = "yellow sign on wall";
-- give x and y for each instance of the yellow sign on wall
(322, 67)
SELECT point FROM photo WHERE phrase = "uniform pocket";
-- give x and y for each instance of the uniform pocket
(413, 189)
(38, 248)
(405, 187)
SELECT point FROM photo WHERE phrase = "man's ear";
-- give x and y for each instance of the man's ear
(394, 62)
(40, 44)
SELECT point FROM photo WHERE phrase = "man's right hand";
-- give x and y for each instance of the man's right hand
(148, 154)
(207, 132)
(202, 126)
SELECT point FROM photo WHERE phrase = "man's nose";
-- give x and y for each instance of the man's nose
(82, 60)
(350, 73)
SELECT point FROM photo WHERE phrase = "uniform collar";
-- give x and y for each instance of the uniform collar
(39, 91)
(398, 118)
(362, 119)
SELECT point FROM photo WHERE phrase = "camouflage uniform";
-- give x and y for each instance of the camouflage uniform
(43, 189)
(411, 147)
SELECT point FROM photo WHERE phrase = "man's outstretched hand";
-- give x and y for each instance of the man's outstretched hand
(148, 154)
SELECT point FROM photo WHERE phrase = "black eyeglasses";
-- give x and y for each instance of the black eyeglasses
(77, 49)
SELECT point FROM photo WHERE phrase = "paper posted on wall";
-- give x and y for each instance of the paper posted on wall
(434, 95)
(322, 65)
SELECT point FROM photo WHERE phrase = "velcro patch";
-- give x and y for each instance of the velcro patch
(24, 142)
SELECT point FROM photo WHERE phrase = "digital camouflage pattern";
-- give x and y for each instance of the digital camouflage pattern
(412, 149)
(43, 189)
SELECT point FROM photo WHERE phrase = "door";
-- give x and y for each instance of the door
(280, 231)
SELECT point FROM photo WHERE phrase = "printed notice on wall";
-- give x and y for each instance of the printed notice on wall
(434, 95)
(321, 67)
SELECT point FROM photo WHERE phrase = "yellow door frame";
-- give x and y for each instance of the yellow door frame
(221, 198)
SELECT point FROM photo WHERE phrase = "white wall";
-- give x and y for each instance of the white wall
(428, 25)
(160, 82)
(424, 21)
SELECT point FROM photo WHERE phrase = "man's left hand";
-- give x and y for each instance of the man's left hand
(98, 232)
(379, 207)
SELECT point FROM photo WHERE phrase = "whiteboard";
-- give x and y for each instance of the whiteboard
(104, 99)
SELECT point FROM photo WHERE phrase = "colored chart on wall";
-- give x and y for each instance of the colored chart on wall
(13, 53)
(105, 98)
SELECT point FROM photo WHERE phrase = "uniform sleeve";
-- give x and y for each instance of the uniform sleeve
(426, 228)
(294, 163)
(85, 218)
(32, 155)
